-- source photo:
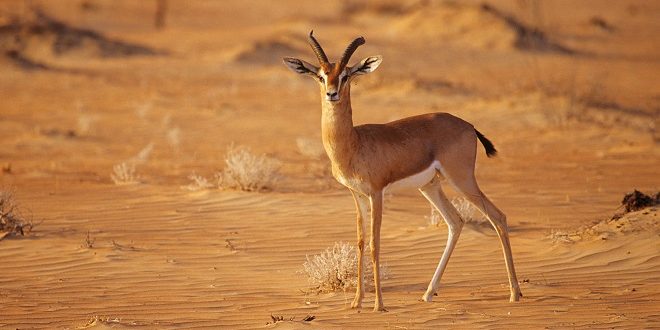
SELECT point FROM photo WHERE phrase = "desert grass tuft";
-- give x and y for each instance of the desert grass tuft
(197, 183)
(467, 211)
(89, 241)
(124, 174)
(311, 148)
(247, 171)
(335, 269)
(12, 223)
(173, 136)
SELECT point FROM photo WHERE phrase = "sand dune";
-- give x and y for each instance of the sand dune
(574, 132)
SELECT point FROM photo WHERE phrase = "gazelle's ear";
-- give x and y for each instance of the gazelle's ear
(300, 66)
(367, 65)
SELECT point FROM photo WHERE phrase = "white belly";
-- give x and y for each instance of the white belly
(415, 181)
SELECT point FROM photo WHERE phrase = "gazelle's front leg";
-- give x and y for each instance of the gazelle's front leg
(433, 192)
(362, 206)
(376, 217)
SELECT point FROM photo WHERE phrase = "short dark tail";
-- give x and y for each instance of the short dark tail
(490, 148)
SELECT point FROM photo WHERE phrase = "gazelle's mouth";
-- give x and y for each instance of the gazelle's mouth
(333, 98)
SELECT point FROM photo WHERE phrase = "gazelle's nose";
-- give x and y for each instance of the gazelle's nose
(332, 96)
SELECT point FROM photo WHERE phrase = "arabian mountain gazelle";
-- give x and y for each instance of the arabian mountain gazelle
(419, 151)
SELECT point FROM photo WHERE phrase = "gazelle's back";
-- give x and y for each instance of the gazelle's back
(431, 131)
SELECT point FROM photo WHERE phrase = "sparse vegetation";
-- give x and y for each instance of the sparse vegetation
(198, 183)
(124, 174)
(247, 171)
(144, 154)
(109, 322)
(123, 247)
(143, 109)
(280, 318)
(230, 245)
(12, 223)
(335, 269)
(466, 210)
(173, 136)
(310, 147)
(89, 241)
(85, 124)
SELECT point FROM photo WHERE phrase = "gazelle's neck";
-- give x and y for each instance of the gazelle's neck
(339, 137)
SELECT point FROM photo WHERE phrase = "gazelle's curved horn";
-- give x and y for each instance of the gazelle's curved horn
(350, 50)
(316, 47)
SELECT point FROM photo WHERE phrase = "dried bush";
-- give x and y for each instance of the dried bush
(89, 241)
(466, 210)
(435, 218)
(85, 124)
(247, 171)
(124, 174)
(335, 269)
(197, 183)
(143, 155)
(12, 223)
(173, 136)
(310, 147)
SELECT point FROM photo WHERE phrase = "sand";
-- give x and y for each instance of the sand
(575, 131)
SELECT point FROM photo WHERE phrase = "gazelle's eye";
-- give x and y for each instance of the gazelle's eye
(321, 79)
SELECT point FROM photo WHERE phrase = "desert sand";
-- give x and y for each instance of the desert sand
(568, 91)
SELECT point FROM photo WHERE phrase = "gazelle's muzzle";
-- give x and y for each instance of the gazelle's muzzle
(332, 96)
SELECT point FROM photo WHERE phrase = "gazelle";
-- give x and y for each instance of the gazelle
(419, 151)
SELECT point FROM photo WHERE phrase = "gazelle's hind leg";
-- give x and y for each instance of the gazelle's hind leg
(433, 192)
(469, 188)
(458, 167)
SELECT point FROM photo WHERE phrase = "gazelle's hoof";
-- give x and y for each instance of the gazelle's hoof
(356, 304)
(515, 296)
(428, 297)
(380, 308)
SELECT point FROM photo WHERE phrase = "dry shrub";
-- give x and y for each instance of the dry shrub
(89, 241)
(173, 136)
(310, 147)
(144, 154)
(124, 173)
(435, 219)
(106, 322)
(335, 269)
(197, 183)
(467, 211)
(247, 171)
(12, 223)
(85, 124)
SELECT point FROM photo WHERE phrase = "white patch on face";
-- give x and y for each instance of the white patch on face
(341, 79)
(335, 93)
